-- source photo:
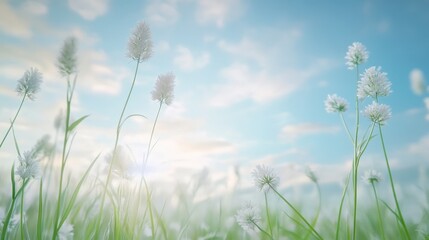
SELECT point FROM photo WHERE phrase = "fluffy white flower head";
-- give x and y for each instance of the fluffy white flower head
(28, 166)
(334, 103)
(67, 59)
(265, 178)
(356, 55)
(29, 84)
(66, 232)
(372, 176)
(378, 113)
(164, 88)
(373, 83)
(248, 217)
(140, 43)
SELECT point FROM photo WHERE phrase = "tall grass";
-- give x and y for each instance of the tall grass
(92, 206)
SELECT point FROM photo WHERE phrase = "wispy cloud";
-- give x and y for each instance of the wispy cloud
(187, 61)
(35, 7)
(162, 12)
(246, 83)
(417, 81)
(218, 12)
(294, 131)
(89, 10)
(20, 28)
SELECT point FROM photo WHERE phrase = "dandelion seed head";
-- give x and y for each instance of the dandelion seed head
(265, 178)
(29, 166)
(248, 217)
(29, 84)
(378, 113)
(164, 89)
(140, 43)
(334, 103)
(67, 61)
(373, 83)
(372, 176)
(66, 232)
(356, 54)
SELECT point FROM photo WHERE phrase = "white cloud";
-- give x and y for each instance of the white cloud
(98, 76)
(217, 12)
(89, 10)
(302, 129)
(162, 12)
(35, 7)
(189, 62)
(243, 83)
(420, 147)
(426, 100)
(417, 81)
(21, 26)
(162, 46)
(246, 49)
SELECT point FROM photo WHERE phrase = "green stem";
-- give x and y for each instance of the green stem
(346, 127)
(151, 134)
(262, 230)
(268, 214)
(21, 225)
(341, 206)
(118, 130)
(314, 222)
(149, 201)
(13, 121)
(355, 162)
(63, 157)
(401, 218)
(315, 233)
(379, 212)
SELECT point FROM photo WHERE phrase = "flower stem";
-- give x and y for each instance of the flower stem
(262, 230)
(70, 89)
(13, 121)
(341, 206)
(268, 214)
(315, 233)
(379, 213)
(118, 130)
(355, 162)
(151, 135)
(401, 218)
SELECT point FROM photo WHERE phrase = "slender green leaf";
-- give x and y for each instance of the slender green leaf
(76, 123)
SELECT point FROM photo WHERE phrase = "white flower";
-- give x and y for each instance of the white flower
(66, 232)
(140, 43)
(248, 217)
(356, 55)
(373, 83)
(67, 58)
(28, 166)
(310, 174)
(29, 84)
(417, 81)
(372, 176)
(333, 103)
(265, 178)
(164, 88)
(378, 113)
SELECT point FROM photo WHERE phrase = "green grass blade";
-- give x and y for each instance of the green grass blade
(76, 123)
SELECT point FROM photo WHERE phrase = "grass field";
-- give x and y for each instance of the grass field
(44, 197)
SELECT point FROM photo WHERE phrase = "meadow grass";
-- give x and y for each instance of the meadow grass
(44, 201)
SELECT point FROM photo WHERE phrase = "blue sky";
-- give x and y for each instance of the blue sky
(252, 77)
